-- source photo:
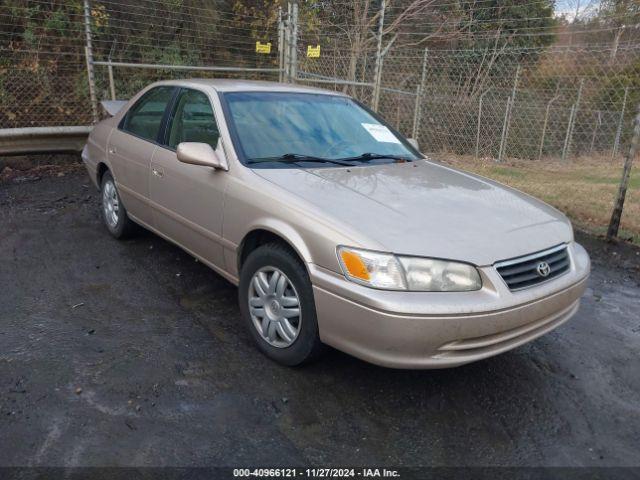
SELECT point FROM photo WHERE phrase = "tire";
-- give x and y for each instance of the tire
(257, 274)
(114, 215)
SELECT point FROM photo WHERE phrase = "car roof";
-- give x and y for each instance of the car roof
(237, 85)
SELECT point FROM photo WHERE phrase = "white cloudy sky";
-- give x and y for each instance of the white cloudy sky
(568, 7)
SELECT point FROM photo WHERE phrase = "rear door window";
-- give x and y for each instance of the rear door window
(145, 117)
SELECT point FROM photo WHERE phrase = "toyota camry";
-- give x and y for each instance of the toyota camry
(335, 228)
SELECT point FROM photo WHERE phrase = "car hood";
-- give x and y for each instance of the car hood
(426, 209)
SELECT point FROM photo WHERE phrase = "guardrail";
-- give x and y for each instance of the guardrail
(20, 141)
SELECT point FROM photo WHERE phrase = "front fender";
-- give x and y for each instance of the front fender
(252, 203)
(286, 231)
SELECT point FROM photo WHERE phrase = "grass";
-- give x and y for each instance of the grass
(584, 188)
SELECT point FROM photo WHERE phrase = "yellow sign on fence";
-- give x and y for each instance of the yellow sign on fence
(263, 47)
(313, 52)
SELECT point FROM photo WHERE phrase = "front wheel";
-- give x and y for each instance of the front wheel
(276, 301)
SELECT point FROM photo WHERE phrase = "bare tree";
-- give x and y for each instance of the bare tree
(577, 10)
(358, 21)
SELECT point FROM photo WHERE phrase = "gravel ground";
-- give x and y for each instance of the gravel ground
(132, 353)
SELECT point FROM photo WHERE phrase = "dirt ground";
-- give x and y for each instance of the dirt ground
(132, 353)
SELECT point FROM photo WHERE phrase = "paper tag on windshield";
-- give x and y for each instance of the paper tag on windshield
(380, 133)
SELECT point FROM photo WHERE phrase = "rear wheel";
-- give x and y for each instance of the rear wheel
(276, 301)
(114, 214)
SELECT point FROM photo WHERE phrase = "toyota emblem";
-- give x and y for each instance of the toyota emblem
(543, 269)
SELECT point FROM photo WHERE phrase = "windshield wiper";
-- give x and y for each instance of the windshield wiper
(297, 157)
(365, 157)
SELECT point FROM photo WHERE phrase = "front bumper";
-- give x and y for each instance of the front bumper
(437, 330)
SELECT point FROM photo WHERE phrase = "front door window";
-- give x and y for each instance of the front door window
(193, 120)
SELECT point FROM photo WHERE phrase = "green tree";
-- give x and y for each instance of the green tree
(517, 23)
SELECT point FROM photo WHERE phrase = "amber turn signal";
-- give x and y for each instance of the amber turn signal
(354, 265)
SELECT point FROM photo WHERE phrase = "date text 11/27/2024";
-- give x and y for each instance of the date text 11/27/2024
(316, 473)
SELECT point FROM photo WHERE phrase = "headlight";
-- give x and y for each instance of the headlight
(391, 272)
(429, 275)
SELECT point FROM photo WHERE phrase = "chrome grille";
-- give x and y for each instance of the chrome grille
(530, 270)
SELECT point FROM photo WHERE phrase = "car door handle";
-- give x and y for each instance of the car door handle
(157, 173)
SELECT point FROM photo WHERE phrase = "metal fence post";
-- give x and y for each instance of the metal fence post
(280, 45)
(595, 131)
(572, 123)
(479, 122)
(504, 129)
(616, 215)
(112, 85)
(294, 42)
(616, 143)
(565, 147)
(88, 51)
(544, 125)
(286, 47)
(417, 111)
(507, 120)
(378, 67)
(362, 76)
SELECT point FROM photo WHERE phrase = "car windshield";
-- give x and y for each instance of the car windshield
(274, 129)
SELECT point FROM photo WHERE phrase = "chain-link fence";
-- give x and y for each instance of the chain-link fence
(45, 50)
(532, 103)
(562, 102)
(539, 104)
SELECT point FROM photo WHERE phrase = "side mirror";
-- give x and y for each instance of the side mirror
(414, 143)
(195, 153)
